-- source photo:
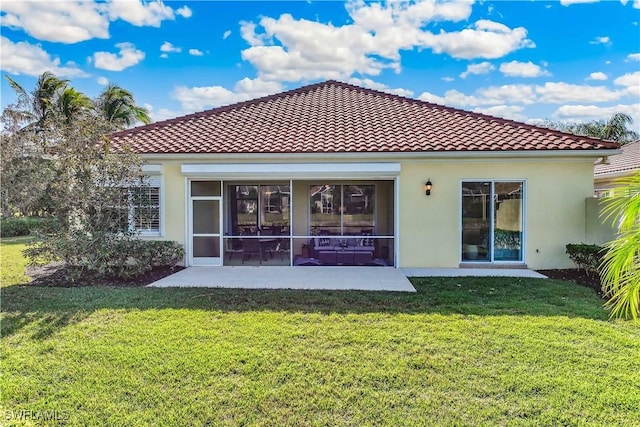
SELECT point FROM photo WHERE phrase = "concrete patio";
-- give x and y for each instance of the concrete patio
(267, 277)
(327, 278)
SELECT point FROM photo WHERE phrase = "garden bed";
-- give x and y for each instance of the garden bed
(575, 275)
(53, 275)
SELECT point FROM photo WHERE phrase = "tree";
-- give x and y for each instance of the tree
(25, 172)
(90, 197)
(118, 107)
(52, 105)
(614, 129)
(620, 270)
(40, 105)
(71, 103)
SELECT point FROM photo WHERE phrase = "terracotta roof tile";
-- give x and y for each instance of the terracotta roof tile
(627, 161)
(339, 117)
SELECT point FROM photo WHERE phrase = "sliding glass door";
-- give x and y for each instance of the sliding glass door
(492, 221)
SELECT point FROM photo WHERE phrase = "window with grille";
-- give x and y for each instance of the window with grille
(145, 208)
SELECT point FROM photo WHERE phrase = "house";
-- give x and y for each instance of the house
(617, 166)
(607, 170)
(333, 173)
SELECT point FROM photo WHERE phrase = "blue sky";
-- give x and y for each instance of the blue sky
(572, 60)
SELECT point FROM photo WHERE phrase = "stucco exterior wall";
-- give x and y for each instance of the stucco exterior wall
(554, 208)
(173, 203)
(429, 232)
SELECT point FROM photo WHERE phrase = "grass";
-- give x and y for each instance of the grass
(472, 351)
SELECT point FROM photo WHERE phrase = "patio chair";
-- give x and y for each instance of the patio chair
(283, 248)
(251, 247)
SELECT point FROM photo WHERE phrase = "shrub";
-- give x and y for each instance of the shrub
(121, 256)
(21, 226)
(586, 257)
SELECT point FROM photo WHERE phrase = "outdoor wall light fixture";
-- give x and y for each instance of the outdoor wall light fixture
(427, 187)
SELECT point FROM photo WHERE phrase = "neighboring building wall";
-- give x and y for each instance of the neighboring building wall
(554, 208)
(598, 230)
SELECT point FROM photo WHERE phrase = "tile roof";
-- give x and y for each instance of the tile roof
(332, 117)
(628, 160)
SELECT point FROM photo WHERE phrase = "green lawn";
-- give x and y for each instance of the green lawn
(459, 352)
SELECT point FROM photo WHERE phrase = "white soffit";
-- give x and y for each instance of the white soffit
(293, 170)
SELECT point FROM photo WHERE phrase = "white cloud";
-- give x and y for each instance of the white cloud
(289, 49)
(601, 40)
(512, 112)
(226, 34)
(368, 83)
(162, 113)
(200, 98)
(480, 68)
(164, 55)
(633, 57)
(57, 21)
(561, 93)
(169, 48)
(184, 11)
(103, 81)
(452, 98)
(520, 94)
(196, 52)
(631, 82)
(570, 2)
(629, 79)
(581, 113)
(127, 57)
(522, 69)
(448, 79)
(488, 40)
(597, 75)
(140, 14)
(73, 21)
(493, 95)
(32, 60)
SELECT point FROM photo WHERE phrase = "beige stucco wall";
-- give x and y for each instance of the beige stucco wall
(555, 193)
(173, 203)
(429, 233)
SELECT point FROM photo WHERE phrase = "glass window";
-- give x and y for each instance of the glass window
(476, 221)
(359, 209)
(492, 221)
(259, 209)
(146, 208)
(507, 225)
(325, 205)
(205, 188)
(343, 209)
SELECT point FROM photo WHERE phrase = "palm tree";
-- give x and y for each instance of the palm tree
(37, 107)
(620, 270)
(119, 108)
(71, 103)
(614, 129)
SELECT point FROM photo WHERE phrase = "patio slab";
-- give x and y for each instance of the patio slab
(267, 277)
(472, 272)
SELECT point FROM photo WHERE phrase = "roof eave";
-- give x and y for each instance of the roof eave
(524, 154)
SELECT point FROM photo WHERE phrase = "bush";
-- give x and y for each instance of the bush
(586, 257)
(21, 226)
(114, 256)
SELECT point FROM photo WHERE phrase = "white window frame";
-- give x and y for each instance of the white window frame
(153, 175)
(523, 243)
